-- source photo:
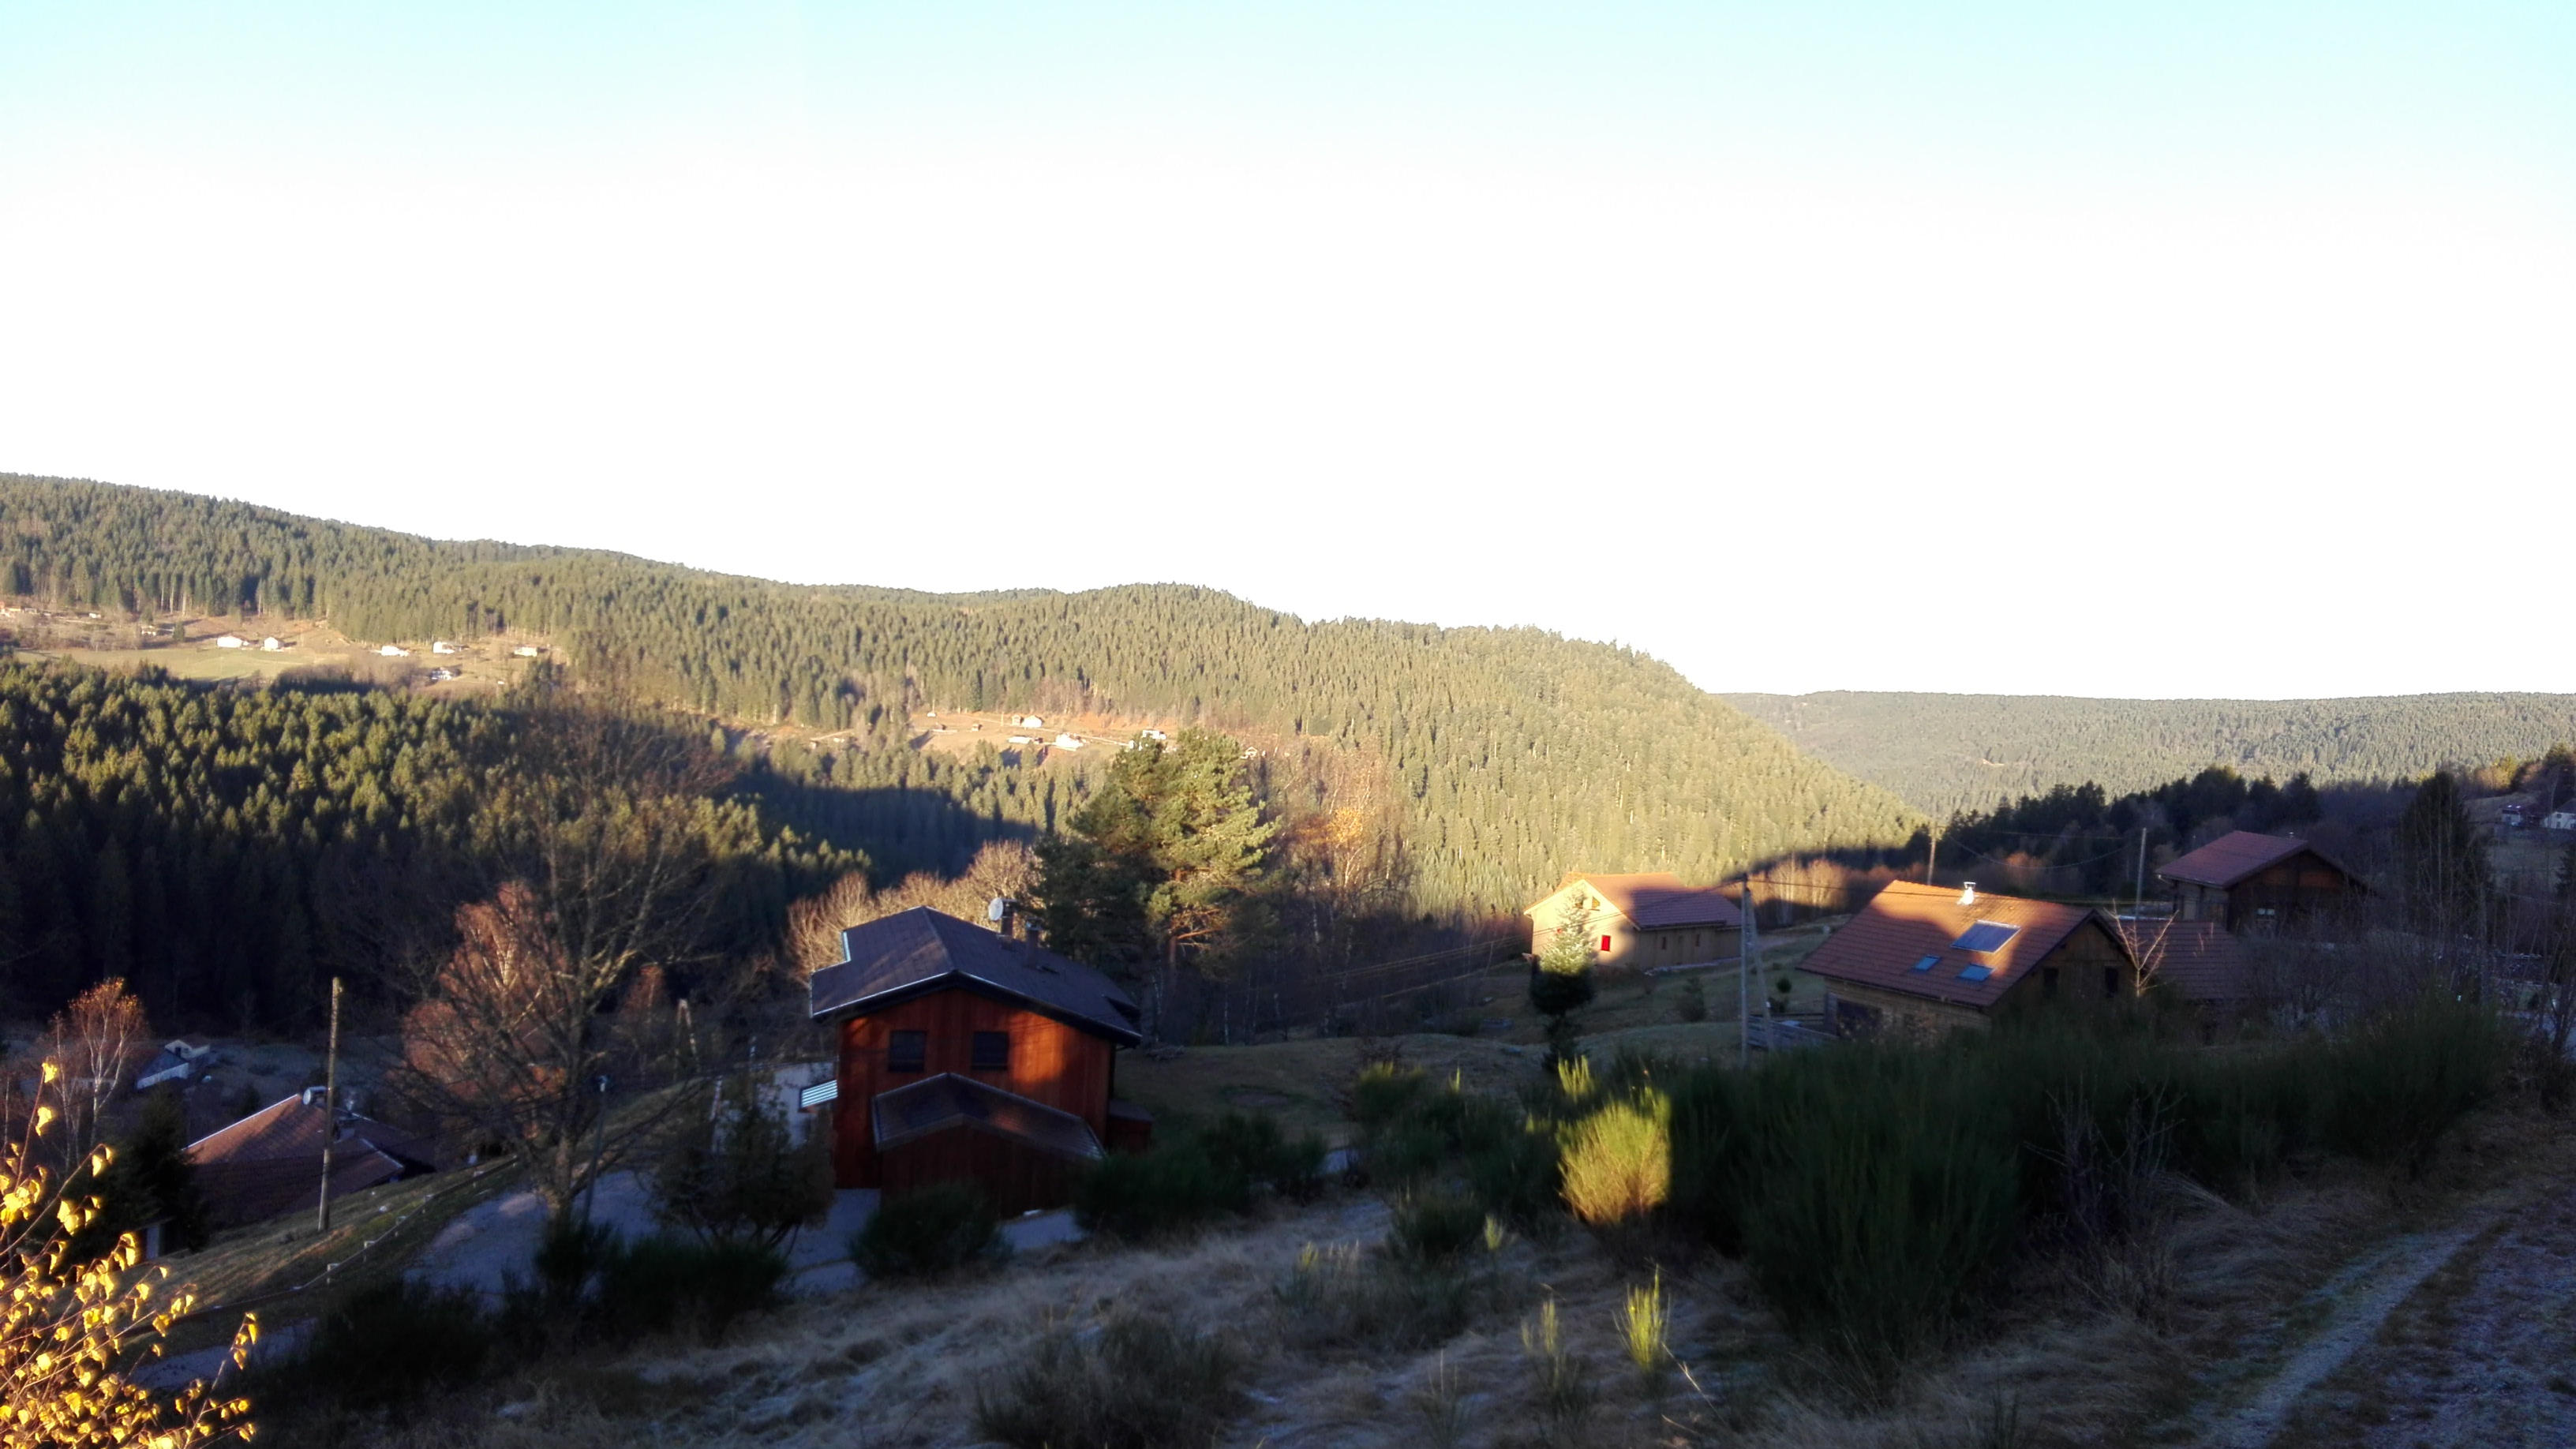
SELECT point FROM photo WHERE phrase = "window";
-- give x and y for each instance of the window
(906, 1050)
(2110, 981)
(1926, 963)
(1985, 938)
(1975, 973)
(992, 1051)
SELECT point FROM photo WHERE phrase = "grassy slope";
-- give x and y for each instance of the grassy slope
(1969, 751)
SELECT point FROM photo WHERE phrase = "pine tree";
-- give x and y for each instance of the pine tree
(2441, 859)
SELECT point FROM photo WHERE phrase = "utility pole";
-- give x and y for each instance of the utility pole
(1932, 857)
(330, 1110)
(598, 1145)
(1744, 981)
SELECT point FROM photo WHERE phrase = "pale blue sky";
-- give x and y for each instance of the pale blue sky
(1754, 314)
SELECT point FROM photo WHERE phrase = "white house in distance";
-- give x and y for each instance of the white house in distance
(1031, 722)
(231, 641)
(1067, 742)
(394, 651)
(527, 651)
(272, 643)
(441, 646)
(1641, 921)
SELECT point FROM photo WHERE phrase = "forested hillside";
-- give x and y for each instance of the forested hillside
(1504, 756)
(225, 850)
(1946, 752)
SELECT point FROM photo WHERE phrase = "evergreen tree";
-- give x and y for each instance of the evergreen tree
(149, 1180)
(2441, 859)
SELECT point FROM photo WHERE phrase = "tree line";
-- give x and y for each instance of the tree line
(225, 850)
(1976, 752)
(1503, 756)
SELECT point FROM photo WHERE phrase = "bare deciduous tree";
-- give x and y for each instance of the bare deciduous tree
(556, 980)
(98, 1041)
(1005, 868)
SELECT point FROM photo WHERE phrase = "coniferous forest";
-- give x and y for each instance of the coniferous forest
(1502, 757)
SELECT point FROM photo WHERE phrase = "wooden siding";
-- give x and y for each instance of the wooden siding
(1016, 1178)
(1062, 1066)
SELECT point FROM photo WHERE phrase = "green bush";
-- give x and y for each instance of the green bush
(1691, 1002)
(937, 1229)
(1516, 1177)
(663, 1284)
(1383, 1092)
(1434, 1228)
(1139, 1383)
(2399, 1084)
(1153, 1194)
(1617, 1162)
(1251, 1148)
(387, 1346)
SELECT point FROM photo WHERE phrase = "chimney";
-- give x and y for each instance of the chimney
(1968, 896)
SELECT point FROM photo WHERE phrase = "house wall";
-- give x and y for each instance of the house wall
(1016, 1178)
(2288, 892)
(1061, 1066)
(1632, 948)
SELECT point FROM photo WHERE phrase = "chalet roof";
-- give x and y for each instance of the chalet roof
(921, 950)
(947, 1101)
(2196, 960)
(2234, 856)
(271, 1160)
(1906, 923)
(1655, 900)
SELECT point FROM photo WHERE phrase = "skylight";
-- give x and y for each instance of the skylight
(1927, 963)
(1985, 937)
(1975, 973)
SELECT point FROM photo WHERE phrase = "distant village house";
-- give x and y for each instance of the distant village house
(270, 1162)
(1920, 959)
(1640, 920)
(2245, 881)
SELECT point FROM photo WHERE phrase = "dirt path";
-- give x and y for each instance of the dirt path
(2463, 1335)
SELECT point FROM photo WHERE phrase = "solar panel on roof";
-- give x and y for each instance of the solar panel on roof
(1985, 937)
(1927, 963)
(1975, 973)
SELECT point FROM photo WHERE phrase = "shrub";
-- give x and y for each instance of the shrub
(570, 1257)
(1564, 1384)
(1882, 1196)
(662, 1283)
(1344, 1299)
(1691, 1002)
(1251, 1148)
(1140, 1383)
(734, 1172)
(1560, 993)
(1384, 1091)
(1434, 1227)
(2397, 1086)
(1405, 1152)
(1515, 1177)
(1618, 1159)
(1153, 1194)
(937, 1229)
(389, 1345)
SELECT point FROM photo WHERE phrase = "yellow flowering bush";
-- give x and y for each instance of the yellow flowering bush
(70, 1329)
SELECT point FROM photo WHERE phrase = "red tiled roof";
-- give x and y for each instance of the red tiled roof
(936, 1104)
(2196, 960)
(1906, 922)
(2234, 856)
(1656, 900)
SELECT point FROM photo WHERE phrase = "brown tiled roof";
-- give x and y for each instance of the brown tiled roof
(921, 950)
(936, 1104)
(1906, 922)
(1657, 900)
(2234, 856)
(271, 1160)
(2196, 960)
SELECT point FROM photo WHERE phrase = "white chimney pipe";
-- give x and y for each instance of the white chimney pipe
(1968, 897)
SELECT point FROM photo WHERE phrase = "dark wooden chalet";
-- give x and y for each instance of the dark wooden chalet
(968, 1055)
(2249, 882)
(270, 1162)
(1920, 959)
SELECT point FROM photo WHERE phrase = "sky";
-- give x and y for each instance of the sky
(2169, 349)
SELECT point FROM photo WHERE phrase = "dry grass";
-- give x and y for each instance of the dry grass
(901, 1365)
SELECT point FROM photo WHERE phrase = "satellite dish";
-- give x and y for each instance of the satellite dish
(999, 910)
